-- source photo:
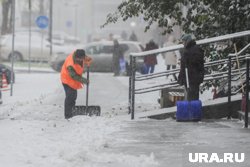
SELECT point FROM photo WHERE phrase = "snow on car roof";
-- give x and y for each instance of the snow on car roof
(106, 42)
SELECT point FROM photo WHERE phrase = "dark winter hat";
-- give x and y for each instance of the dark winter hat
(80, 53)
(186, 37)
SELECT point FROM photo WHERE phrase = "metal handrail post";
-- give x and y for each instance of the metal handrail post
(247, 93)
(130, 84)
(229, 86)
(13, 8)
(133, 88)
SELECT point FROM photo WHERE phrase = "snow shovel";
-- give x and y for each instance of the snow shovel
(87, 110)
(187, 82)
(188, 110)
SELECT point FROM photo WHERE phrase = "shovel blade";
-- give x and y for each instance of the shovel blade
(90, 110)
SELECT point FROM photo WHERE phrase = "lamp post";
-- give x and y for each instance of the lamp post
(29, 34)
(50, 26)
(133, 37)
(76, 13)
(75, 7)
(133, 24)
(13, 44)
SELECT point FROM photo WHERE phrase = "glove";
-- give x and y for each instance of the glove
(84, 81)
(88, 61)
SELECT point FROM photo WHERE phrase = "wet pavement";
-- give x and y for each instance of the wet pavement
(171, 142)
(168, 141)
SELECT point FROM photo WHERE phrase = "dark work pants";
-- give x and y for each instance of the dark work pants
(116, 67)
(173, 67)
(150, 68)
(193, 92)
(169, 67)
(70, 101)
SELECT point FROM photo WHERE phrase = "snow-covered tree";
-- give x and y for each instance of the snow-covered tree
(203, 18)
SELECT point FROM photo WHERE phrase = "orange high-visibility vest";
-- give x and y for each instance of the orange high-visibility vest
(65, 76)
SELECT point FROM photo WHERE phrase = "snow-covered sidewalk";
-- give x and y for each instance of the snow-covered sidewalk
(34, 132)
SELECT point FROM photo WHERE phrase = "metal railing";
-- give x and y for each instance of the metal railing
(247, 92)
(246, 71)
(133, 77)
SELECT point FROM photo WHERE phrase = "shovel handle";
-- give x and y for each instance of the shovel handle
(87, 89)
(187, 79)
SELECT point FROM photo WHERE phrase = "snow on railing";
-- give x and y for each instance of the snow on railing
(240, 52)
(198, 42)
(133, 78)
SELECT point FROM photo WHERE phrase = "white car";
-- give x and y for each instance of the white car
(101, 52)
(40, 47)
(66, 38)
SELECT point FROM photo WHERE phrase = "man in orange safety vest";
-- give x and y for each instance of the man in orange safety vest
(72, 79)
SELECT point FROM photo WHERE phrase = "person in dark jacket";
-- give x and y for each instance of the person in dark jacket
(133, 37)
(192, 64)
(118, 55)
(150, 60)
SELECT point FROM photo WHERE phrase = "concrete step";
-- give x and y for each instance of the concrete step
(213, 109)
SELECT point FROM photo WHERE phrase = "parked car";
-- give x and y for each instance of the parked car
(58, 37)
(7, 70)
(40, 47)
(66, 38)
(101, 52)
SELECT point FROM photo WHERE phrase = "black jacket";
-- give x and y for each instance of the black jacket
(193, 59)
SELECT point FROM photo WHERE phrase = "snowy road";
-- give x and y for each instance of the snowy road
(104, 90)
(34, 132)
